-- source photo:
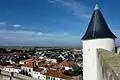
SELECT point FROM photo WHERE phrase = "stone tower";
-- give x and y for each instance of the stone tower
(98, 35)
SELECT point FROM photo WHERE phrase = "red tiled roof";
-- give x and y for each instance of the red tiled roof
(33, 59)
(39, 69)
(29, 64)
(67, 63)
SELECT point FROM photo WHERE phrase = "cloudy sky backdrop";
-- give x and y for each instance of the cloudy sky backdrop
(52, 22)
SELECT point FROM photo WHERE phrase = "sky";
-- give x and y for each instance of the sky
(52, 22)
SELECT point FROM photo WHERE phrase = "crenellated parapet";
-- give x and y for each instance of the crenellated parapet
(108, 65)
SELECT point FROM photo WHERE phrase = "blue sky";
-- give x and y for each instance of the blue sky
(52, 22)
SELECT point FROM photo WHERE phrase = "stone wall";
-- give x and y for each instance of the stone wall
(108, 65)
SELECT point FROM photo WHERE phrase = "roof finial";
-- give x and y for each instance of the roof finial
(96, 7)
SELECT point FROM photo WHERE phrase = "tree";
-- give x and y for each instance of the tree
(74, 72)
(59, 60)
(16, 50)
(32, 51)
(3, 50)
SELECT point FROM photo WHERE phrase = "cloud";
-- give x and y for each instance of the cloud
(33, 37)
(78, 9)
(87, 16)
(2, 23)
(66, 33)
(16, 25)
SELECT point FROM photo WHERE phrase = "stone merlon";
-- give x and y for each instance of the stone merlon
(111, 61)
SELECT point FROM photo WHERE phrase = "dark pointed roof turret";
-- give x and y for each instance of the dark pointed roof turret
(98, 27)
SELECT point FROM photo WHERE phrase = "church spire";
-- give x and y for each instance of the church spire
(98, 27)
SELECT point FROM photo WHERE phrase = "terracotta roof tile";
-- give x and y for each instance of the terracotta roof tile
(39, 69)
(67, 63)
(29, 64)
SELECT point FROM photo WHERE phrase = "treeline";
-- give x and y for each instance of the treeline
(3, 50)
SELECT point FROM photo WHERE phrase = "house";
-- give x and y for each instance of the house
(29, 66)
(67, 65)
(56, 75)
(60, 56)
(38, 74)
(14, 69)
(24, 61)
(51, 60)
(13, 57)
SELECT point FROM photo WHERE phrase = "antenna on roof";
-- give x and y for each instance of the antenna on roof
(96, 7)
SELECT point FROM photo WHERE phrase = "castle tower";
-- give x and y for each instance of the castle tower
(98, 35)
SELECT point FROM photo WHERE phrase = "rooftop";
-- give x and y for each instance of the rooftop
(57, 73)
(27, 65)
(67, 63)
(97, 27)
(39, 69)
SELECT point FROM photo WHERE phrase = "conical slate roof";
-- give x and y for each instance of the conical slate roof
(98, 27)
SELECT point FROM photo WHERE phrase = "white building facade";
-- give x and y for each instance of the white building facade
(12, 69)
(38, 75)
(28, 69)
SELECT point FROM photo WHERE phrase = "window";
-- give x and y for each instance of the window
(53, 78)
(47, 78)
(89, 49)
(38, 77)
(29, 70)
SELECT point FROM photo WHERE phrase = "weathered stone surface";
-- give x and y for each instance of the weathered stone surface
(111, 64)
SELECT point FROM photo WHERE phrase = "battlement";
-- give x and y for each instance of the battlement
(109, 65)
